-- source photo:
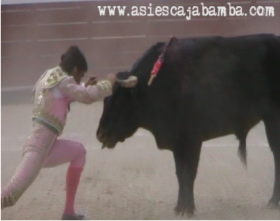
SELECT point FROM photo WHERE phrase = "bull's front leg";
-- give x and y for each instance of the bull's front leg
(186, 162)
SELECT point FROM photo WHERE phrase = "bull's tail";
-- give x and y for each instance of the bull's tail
(242, 152)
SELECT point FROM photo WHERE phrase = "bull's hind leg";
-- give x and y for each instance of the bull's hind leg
(272, 127)
(186, 162)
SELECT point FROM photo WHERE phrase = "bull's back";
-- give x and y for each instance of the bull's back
(227, 87)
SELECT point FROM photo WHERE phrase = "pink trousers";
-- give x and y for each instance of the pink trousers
(42, 149)
(64, 151)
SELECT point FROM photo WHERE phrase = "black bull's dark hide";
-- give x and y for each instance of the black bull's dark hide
(206, 88)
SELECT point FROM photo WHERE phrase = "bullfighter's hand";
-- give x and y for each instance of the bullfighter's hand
(112, 78)
(91, 81)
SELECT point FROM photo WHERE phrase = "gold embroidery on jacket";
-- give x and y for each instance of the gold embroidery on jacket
(52, 120)
(55, 77)
(104, 87)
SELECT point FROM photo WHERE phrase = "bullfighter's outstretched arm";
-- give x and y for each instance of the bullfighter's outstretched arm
(87, 95)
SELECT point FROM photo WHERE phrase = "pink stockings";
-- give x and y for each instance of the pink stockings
(43, 149)
(64, 151)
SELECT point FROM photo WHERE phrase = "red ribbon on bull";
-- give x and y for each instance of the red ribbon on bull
(159, 62)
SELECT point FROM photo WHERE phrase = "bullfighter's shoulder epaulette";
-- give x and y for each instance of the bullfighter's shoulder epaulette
(54, 77)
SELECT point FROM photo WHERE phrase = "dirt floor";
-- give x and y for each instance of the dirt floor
(136, 180)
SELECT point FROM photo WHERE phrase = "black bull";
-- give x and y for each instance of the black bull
(206, 88)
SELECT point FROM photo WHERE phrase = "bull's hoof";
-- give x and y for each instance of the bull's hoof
(183, 210)
(273, 205)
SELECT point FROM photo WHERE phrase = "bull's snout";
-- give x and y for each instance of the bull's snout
(100, 136)
(101, 139)
(106, 138)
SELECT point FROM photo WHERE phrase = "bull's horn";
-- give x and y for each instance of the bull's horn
(129, 82)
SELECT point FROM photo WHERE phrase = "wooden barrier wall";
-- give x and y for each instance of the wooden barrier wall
(35, 35)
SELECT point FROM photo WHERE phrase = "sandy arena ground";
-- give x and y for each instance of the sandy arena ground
(136, 180)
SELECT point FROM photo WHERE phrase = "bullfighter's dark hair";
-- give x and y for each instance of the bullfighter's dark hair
(72, 58)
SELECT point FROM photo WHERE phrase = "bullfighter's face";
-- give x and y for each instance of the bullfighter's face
(78, 75)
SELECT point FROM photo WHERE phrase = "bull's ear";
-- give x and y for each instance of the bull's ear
(130, 82)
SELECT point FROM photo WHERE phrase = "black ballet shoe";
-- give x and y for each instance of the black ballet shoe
(72, 217)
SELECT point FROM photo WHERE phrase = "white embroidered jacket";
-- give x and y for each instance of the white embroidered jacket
(55, 90)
